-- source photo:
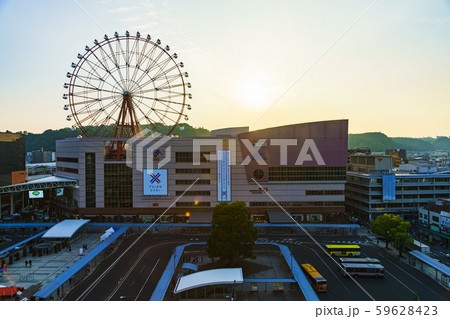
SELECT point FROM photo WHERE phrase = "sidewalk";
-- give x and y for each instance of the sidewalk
(46, 268)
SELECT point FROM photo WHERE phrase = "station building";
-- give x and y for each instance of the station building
(302, 166)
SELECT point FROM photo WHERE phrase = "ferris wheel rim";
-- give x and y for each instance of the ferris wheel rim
(127, 84)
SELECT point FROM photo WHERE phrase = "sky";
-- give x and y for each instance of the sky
(384, 65)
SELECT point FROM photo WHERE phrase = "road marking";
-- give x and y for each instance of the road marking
(143, 267)
(326, 265)
(132, 283)
(410, 276)
(146, 280)
(124, 278)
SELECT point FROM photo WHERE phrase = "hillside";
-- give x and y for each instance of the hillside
(47, 139)
(379, 142)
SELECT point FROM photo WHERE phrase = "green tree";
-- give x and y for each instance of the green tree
(232, 233)
(402, 239)
(389, 225)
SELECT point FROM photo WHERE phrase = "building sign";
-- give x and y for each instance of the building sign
(155, 181)
(36, 194)
(223, 176)
(389, 188)
(59, 191)
(445, 223)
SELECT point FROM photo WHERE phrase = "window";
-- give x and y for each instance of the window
(258, 173)
(118, 186)
(436, 219)
(90, 180)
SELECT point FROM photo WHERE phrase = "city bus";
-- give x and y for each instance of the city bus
(317, 281)
(355, 270)
(360, 260)
(343, 250)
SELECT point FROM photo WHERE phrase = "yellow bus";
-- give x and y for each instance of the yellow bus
(343, 250)
(317, 281)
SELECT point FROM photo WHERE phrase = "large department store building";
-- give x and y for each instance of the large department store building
(302, 166)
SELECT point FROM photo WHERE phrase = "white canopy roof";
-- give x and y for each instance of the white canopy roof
(65, 229)
(209, 277)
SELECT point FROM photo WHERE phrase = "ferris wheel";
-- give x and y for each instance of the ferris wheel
(125, 82)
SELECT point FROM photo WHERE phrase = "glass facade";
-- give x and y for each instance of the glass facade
(90, 180)
(118, 186)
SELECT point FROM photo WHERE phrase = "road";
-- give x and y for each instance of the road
(401, 281)
(134, 277)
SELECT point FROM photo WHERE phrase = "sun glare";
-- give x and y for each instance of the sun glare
(253, 94)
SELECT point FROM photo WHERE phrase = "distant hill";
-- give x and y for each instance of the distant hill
(379, 142)
(47, 140)
(376, 141)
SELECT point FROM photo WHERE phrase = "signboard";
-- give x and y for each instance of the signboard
(36, 194)
(59, 191)
(389, 188)
(445, 223)
(155, 182)
(223, 176)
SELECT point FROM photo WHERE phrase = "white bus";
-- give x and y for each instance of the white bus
(355, 270)
(360, 260)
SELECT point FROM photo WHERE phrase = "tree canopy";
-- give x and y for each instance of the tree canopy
(393, 228)
(232, 233)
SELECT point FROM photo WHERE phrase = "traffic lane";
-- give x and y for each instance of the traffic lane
(409, 280)
(145, 274)
(339, 289)
(397, 284)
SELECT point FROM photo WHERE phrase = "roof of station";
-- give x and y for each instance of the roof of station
(65, 229)
(431, 262)
(42, 183)
(220, 276)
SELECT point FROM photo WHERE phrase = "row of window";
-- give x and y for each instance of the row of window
(194, 193)
(191, 181)
(193, 204)
(292, 204)
(188, 157)
(192, 171)
(324, 192)
(67, 159)
(301, 173)
(67, 170)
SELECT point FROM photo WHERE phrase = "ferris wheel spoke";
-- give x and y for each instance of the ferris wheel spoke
(87, 107)
(161, 67)
(150, 66)
(116, 62)
(86, 79)
(169, 79)
(106, 69)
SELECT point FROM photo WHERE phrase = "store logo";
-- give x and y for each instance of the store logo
(35, 193)
(147, 149)
(155, 178)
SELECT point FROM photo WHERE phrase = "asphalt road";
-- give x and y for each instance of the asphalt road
(134, 277)
(400, 283)
(137, 273)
